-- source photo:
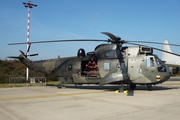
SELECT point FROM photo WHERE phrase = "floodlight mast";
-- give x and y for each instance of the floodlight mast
(28, 5)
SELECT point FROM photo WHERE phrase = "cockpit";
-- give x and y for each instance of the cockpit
(154, 61)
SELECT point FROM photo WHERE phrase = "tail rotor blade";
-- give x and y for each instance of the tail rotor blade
(22, 52)
(33, 54)
(29, 45)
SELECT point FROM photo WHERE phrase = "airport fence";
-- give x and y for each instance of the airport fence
(32, 81)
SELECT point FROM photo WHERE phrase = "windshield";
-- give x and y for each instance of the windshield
(153, 61)
(158, 61)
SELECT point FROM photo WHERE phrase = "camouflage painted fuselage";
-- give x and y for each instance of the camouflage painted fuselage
(114, 66)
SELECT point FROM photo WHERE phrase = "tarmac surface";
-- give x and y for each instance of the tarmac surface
(91, 103)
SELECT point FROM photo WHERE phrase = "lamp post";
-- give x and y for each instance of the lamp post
(28, 5)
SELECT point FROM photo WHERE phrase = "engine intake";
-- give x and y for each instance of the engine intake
(145, 49)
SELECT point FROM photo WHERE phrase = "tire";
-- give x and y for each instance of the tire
(58, 86)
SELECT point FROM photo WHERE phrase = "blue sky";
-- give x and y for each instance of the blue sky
(146, 20)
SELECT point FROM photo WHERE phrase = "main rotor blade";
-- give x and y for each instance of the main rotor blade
(89, 40)
(48, 41)
(153, 43)
(15, 57)
(113, 37)
(156, 49)
(165, 51)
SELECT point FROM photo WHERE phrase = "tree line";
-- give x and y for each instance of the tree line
(14, 68)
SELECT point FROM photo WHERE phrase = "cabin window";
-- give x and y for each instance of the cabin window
(70, 67)
(106, 66)
(110, 54)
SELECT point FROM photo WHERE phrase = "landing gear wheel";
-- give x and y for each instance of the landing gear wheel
(59, 86)
(132, 86)
(149, 86)
(121, 88)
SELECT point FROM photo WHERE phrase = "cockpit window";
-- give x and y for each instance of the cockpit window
(158, 61)
(153, 61)
(150, 61)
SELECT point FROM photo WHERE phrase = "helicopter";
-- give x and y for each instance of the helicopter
(107, 64)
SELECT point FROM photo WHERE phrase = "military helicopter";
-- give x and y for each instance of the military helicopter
(107, 64)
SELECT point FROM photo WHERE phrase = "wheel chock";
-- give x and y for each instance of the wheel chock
(126, 91)
(117, 91)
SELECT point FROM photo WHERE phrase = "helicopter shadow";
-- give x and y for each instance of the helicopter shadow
(153, 89)
(95, 87)
(156, 88)
(114, 88)
(105, 88)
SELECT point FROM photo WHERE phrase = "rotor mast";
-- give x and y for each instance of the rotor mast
(28, 5)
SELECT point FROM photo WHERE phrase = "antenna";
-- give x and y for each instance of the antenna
(28, 5)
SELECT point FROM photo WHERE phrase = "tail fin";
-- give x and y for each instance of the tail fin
(170, 60)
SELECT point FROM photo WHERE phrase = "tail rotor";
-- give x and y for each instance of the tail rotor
(28, 49)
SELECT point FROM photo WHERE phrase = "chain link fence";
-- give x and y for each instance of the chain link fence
(32, 81)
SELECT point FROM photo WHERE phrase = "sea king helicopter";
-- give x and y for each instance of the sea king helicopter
(107, 64)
